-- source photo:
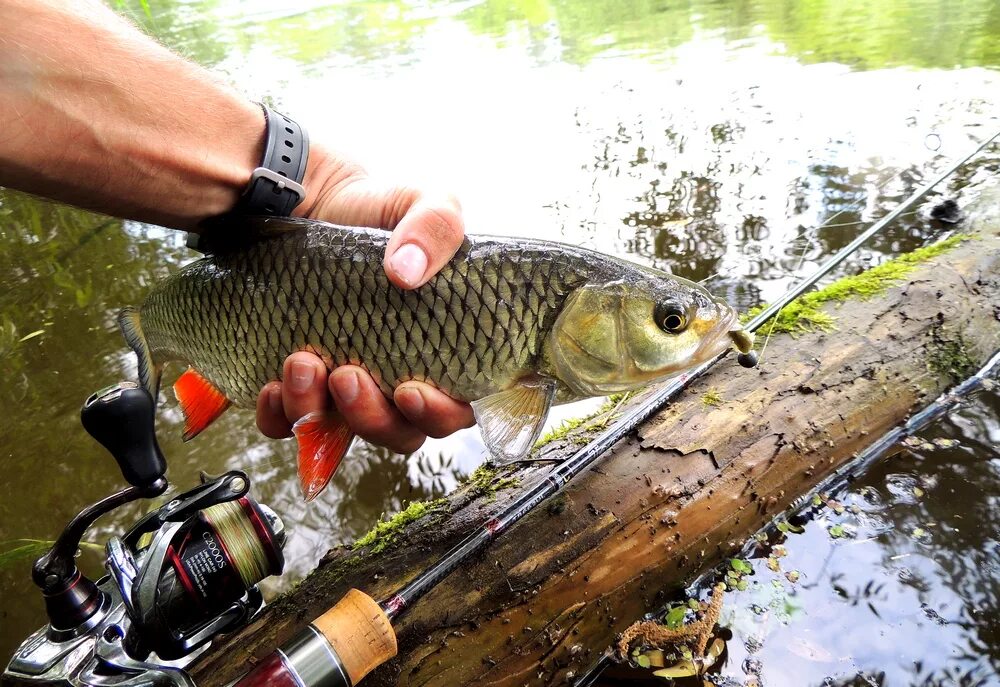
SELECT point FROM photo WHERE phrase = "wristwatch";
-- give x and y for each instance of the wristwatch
(275, 186)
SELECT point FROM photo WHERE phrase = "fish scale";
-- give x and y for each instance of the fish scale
(237, 316)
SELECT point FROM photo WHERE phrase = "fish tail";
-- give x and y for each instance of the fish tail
(149, 371)
(324, 439)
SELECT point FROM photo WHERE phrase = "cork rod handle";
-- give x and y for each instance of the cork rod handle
(359, 631)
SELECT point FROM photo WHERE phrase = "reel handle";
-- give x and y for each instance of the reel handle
(121, 419)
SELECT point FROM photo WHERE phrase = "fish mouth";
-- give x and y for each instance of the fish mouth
(742, 339)
(726, 332)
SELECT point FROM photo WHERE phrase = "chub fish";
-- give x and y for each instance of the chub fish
(509, 325)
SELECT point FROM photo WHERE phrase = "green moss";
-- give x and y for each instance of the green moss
(387, 532)
(949, 356)
(804, 313)
(560, 431)
(484, 482)
(597, 420)
(712, 397)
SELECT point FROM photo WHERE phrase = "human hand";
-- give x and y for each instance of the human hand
(426, 232)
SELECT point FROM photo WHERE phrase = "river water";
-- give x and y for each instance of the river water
(736, 142)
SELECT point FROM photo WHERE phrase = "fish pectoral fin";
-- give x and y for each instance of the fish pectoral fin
(511, 420)
(201, 402)
(324, 439)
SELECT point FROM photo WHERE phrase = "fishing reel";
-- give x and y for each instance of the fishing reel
(182, 575)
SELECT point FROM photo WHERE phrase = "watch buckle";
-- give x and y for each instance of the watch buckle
(280, 183)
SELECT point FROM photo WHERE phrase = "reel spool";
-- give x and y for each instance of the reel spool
(199, 576)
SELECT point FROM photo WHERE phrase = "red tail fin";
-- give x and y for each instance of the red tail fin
(200, 401)
(323, 440)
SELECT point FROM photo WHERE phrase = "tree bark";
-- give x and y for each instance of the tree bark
(666, 503)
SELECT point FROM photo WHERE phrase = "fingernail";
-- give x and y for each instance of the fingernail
(301, 377)
(347, 386)
(274, 400)
(415, 406)
(409, 263)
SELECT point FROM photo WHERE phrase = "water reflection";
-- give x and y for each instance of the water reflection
(708, 138)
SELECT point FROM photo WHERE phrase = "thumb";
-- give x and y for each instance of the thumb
(427, 235)
(427, 229)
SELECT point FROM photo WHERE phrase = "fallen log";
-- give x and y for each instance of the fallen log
(666, 503)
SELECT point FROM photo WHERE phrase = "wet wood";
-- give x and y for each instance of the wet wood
(666, 504)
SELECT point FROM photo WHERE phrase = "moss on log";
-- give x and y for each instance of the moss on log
(666, 503)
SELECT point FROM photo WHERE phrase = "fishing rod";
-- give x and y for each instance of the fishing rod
(354, 637)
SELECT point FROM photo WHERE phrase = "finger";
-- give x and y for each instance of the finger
(271, 418)
(303, 388)
(368, 412)
(432, 411)
(426, 238)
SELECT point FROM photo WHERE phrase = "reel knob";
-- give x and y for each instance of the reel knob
(121, 419)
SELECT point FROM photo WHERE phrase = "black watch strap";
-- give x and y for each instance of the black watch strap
(275, 187)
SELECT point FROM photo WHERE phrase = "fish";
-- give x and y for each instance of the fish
(510, 325)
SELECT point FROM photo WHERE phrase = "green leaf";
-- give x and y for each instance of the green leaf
(675, 617)
(838, 531)
(740, 566)
(816, 500)
(32, 335)
(786, 527)
(642, 661)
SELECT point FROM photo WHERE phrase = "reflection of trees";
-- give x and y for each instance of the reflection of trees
(862, 679)
(675, 226)
(964, 543)
(813, 30)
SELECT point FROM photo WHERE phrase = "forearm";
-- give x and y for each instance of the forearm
(96, 114)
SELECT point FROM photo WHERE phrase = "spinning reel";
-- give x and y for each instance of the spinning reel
(185, 573)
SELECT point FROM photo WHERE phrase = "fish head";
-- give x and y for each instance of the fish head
(625, 334)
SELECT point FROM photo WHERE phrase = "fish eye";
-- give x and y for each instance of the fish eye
(670, 317)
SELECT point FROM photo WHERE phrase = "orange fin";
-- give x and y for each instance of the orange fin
(323, 441)
(200, 401)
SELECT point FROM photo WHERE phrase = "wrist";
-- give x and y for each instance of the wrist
(235, 159)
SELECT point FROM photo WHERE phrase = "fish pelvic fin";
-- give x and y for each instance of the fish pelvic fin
(511, 420)
(201, 402)
(324, 439)
(130, 323)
